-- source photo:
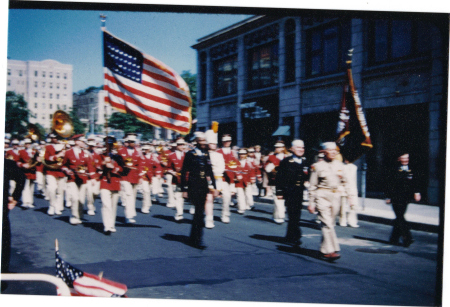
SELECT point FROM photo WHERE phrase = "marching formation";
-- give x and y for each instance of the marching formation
(71, 172)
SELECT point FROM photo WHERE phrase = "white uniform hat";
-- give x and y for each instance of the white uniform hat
(242, 151)
(15, 142)
(145, 147)
(132, 137)
(211, 137)
(199, 134)
(328, 145)
(27, 141)
(279, 144)
(298, 143)
(180, 142)
(226, 138)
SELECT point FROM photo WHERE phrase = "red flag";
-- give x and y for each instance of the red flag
(353, 133)
(138, 84)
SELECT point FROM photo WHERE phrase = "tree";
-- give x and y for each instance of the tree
(130, 124)
(16, 114)
(78, 127)
(191, 80)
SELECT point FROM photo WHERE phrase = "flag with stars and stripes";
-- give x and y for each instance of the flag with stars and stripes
(138, 84)
(85, 284)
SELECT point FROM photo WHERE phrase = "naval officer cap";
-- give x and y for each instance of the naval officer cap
(131, 137)
(15, 142)
(328, 146)
(279, 144)
(199, 135)
(242, 151)
(226, 138)
(27, 141)
(180, 142)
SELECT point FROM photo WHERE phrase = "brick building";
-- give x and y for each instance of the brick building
(271, 71)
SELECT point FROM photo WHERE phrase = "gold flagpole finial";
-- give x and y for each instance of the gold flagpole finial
(350, 55)
(103, 19)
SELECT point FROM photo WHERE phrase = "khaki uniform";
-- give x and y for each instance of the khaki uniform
(349, 214)
(325, 195)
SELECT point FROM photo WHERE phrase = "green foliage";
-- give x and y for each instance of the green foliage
(191, 80)
(90, 89)
(16, 114)
(130, 124)
(78, 126)
(41, 129)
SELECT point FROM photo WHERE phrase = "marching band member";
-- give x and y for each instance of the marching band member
(271, 167)
(28, 159)
(93, 184)
(149, 168)
(156, 181)
(164, 155)
(40, 177)
(77, 168)
(218, 167)
(259, 164)
(54, 155)
(130, 177)
(109, 185)
(256, 165)
(227, 184)
(246, 177)
(13, 154)
(174, 165)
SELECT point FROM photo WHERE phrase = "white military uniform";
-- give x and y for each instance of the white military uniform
(349, 214)
(218, 167)
(324, 195)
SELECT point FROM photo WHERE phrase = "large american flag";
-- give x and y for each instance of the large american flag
(138, 84)
(85, 284)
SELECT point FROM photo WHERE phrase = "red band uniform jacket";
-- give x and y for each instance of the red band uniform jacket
(130, 174)
(149, 168)
(245, 175)
(25, 156)
(50, 158)
(231, 165)
(79, 166)
(175, 165)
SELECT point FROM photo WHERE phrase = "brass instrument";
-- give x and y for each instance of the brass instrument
(33, 161)
(34, 133)
(162, 153)
(62, 125)
(232, 164)
(10, 157)
(128, 162)
(81, 169)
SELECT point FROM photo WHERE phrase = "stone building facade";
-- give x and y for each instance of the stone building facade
(272, 71)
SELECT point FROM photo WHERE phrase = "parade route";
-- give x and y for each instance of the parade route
(245, 260)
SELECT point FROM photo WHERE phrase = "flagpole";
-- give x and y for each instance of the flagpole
(103, 28)
(56, 245)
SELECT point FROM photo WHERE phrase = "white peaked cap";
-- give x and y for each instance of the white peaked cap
(328, 145)
(132, 137)
(298, 143)
(226, 138)
(211, 137)
(199, 134)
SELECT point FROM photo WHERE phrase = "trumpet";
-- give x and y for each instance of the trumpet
(62, 125)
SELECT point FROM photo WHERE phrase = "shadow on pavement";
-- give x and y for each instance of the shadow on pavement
(177, 238)
(172, 219)
(372, 240)
(304, 252)
(309, 224)
(121, 220)
(257, 218)
(275, 239)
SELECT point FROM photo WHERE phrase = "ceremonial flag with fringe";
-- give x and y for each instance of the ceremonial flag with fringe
(138, 84)
(352, 131)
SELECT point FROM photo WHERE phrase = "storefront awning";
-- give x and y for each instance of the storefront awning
(282, 131)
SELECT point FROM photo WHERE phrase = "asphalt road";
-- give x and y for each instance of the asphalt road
(244, 261)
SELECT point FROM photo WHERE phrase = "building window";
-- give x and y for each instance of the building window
(51, 97)
(203, 75)
(9, 72)
(35, 94)
(225, 76)
(57, 75)
(263, 66)
(35, 84)
(43, 104)
(64, 106)
(51, 105)
(43, 84)
(289, 38)
(35, 73)
(9, 82)
(65, 86)
(391, 40)
(50, 74)
(57, 96)
(327, 48)
(57, 106)
(65, 76)
(57, 85)
(35, 105)
(20, 73)
(51, 116)
(43, 116)
(43, 95)
(51, 85)
(43, 74)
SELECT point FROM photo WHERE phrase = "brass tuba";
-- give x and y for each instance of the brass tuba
(62, 125)
(34, 133)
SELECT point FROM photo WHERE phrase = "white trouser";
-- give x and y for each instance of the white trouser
(27, 193)
(170, 187)
(279, 210)
(130, 199)
(255, 189)
(109, 208)
(156, 185)
(244, 198)
(209, 207)
(348, 214)
(226, 198)
(328, 204)
(93, 189)
(146, 201)
(40, 181)
(55, 191)
(178, 200)
(77, 196)
(12, 186)
(122, 195)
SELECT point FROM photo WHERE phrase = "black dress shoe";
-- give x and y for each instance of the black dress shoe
(407, 243)
(197, 245)
(107, 233)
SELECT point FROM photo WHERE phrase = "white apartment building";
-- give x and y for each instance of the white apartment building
(46, 86)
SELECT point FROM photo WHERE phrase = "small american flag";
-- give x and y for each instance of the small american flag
(85, 284)
(138, 84)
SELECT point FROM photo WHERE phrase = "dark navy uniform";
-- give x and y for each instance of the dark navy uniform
(402, 184)
(290, 182)
(197, 179)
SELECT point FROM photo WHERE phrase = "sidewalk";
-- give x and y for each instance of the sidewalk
(421, 217)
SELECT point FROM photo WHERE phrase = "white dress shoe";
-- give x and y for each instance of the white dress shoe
(91, 212)
(178, 217)
(192, 210)
(225, 219)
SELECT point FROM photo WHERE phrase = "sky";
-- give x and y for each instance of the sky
(74, 37)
